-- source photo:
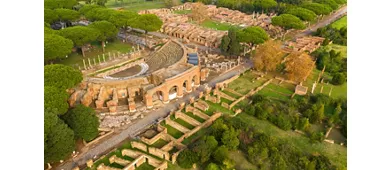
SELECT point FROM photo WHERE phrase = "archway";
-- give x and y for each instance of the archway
(195, 81)
(172, 93)
(158, 95)
(187, 86)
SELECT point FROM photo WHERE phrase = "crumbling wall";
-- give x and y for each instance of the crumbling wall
(159, 153)
(139, 146)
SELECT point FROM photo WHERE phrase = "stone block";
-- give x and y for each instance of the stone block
(89, 163)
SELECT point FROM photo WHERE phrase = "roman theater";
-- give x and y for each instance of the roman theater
(162, 75)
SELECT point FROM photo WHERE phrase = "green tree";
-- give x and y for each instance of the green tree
(55, 4)
(99, 14)
(288, 21)
(302, 13)
(171, 3)
(205, 147)
(55, 46)
(338, 79)
(318, 114)
(148, 22)
(61, 76)
(212, 166)
(83, 121)
(59, 139)
(333, 4)
(221, 154)
(304, 124)
(48, 31)
(319, 9)
(252, 35)
(80, 35)
(107, 30)
(100, 2)
(187, 158)
(56, 100)
(265, 5)
(50, 16)
(225, 43)
(317, 137)
(86, 8)
(67, 15)
(123, 19)
(230, 138)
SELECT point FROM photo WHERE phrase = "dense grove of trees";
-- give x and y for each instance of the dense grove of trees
(211, 152)
(299, 113)
(83, 121)
(268, 56)
(337, 36)
(298, 66)
(319, 9)
(334, 64)
(288, 21)
(302, 13)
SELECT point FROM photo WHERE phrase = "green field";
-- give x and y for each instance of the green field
(76, 59)
(231, 94)
(342, 22)
(184, 123)
(200, 120)
(215, 107)
(217, 25)
(338, 48)
(195, 136)
(136, 5)
(337, 92)
(336, 153)
(241, 162)
(145, 166)
(159, 143)
(173, 132)
(244, 83)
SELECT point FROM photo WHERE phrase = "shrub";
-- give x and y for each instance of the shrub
(339, 79)
(187, 158)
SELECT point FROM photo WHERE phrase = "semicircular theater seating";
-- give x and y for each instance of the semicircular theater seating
(168, 55)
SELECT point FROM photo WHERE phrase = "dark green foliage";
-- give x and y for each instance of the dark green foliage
(50, 16)
(319, 9)
(264, 5)
(288, 21)
(55, 46)
(107, 30)
(62, 76)
(148, 22)
(48, 31)
(252, 35)
(56, 100)
(333, 4)
(80, 35)
(55, 4)
(230, 138)
(317, 137)
(205, 147)
(88, 7)
(187, 158)
(302, 13)
(83, 121)
(220, 154)
(339, 79)
(100, 14)
(122, 19)
(230, 44)
(333, 34)
(341, 1)
(58, 137)
(67, 14)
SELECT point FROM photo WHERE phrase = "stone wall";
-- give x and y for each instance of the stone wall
(104, 167)
(188, 119)
(201, 105)
(176, 125)
(250, 93)
(227, 81)
(196, 112)
(222, 94)
(131, 153)
(225, 105)
(159, 153)
(175, 155)
(120, 161)
(136, 163)
(139, 146)
(121, 68)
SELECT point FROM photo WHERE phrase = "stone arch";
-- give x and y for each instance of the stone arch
(187, 85)
(195, 80)
(172, 92)
(158, 94)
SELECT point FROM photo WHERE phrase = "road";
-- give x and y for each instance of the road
(325, 21)
(147, 121)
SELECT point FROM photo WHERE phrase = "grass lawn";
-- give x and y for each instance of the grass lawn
(337, 92)
(145, 166)
(177, 167)
(336, 153)
(226, 100)
(217, 25)
(190, 114)
(273, 94)
(215, 107)
(338, 48)
(173, 132)
(159, 143)
(135, 5)
(76, 59)
(342, 22)
(241, 162)
(183, 11)
(244, 83)
(184, 123)
(231, 94)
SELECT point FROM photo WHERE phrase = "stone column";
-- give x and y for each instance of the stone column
(179, 92)
(188, 86)
(104, 58)
(85, 67)
(197, 81)
(89, 62)
(148, 101)
(94, 61)
(165, 96)
(99, 59)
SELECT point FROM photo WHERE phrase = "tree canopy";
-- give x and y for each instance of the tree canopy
(61, 76)
(88, 7)
(67, 14)
(50, 16)
(230, 44)
(59, 139)
(55, 46)
(288, 21)
(253, 35)
(205, 147)
(99, 14)
(187, 158)
(148, 22)
(122, 19)
(83, 121)
(319, 9)
(333, 4)
(302, 13)
(55, 4)
(265, 5)
(298, 66)
(56, 100)
(80, 35)
(268, 56)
